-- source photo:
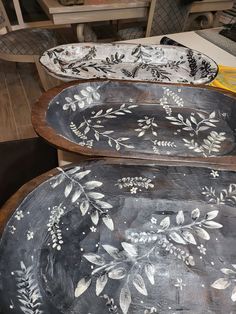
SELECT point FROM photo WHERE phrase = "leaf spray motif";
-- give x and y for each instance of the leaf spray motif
(84, 196)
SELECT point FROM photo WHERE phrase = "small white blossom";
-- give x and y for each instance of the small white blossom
(202, 249)
(30, 235)
(19, 215)
(93, 229)
(153, 220)
(214, 174)
(12, 229)
(133, 190)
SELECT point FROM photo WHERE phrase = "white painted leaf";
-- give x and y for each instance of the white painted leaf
(130, 249)
(101, 283)
(212, 115)
(211, 215)
(74, 170)
(125, 299)
(203, 128)
(201, 115)
(234, 266)
(228, 271)
(180, 217)
(68, 189)
(141, 134)
(233, 295)
(84, 93)
(221, 284)
(82, 174)
(103, 204)
(76, 196)
(90, 185)
(195, 214)
(82, 286)
(94, 259)
(95, 195)
(177, 238)
(108, 222)
(150, 271)
(111, 250)
(212, 225)
(84, 206)
(202, 233)
(86, 130)
(165, 223)
(95, 217)
(188, 237)
(139, 284)
(117, 273)
(58, 181)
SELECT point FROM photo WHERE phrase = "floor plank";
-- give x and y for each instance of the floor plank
(8, 129)
(19, 89)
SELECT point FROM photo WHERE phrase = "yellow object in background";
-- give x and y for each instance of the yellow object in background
(226, 78)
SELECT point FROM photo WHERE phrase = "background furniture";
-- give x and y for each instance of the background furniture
(26, 45)
(93, 11)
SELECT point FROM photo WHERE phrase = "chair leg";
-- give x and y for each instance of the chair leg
(46, 80)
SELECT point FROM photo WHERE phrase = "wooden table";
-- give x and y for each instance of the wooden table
(93, 11)
(196, 42)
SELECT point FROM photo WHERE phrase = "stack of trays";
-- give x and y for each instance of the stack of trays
(148, 224)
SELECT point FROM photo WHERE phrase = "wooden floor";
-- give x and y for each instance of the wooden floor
(19, 89)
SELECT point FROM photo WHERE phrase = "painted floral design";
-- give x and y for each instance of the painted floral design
(135, 183)
(128, 254)
(84, 195)
(146, 125)
(227, 281)
(86, 96)
(120, 61)
(28, 292)
(94, 127)
(225, 196)
(129, 264)
(195, 124)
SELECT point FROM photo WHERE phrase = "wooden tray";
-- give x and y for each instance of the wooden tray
(131, 236)
(140, 120)
(158, 63)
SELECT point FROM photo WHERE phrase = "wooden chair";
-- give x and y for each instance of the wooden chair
(165, 17)
(26, 45)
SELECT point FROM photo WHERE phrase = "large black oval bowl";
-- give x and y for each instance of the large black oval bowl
(121, 236)
(139, 120)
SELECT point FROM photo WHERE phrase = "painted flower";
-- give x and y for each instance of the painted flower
(214, 174)
(202, 249)
(179, 284)
(19, 215)
(12, 229)
(153, 220)
(30, 235)
(93, 229)
(133, 190)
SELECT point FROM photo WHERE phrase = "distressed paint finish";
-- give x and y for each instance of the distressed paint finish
(132, 236)
(139, 120)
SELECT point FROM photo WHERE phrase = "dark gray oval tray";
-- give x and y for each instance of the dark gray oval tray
(159, 63)
(139, 120)
(119, 236)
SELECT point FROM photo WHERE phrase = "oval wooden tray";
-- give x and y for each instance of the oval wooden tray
(139, 120)
(158, 63)
(132, 236)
